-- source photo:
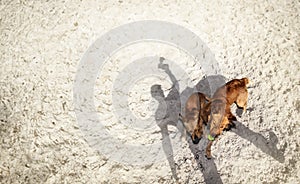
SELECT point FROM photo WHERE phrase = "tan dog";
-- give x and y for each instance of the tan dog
(196, 114)
(234, 91)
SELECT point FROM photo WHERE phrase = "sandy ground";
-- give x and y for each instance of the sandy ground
(42, 44)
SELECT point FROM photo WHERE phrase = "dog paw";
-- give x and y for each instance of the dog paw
(208, 157)
(226, 129)
(196, 140)
(233, 118)
(229, 126)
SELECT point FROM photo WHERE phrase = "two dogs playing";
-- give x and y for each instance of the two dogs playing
(214, 112)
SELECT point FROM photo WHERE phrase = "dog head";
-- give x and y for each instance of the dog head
(195, 114)
(190, 121)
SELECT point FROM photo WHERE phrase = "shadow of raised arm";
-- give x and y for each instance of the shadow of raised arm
(166, 68)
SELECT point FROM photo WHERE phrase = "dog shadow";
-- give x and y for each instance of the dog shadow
(267, 146)
(171, 107)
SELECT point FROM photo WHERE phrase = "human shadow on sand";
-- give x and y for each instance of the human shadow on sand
(167, 114)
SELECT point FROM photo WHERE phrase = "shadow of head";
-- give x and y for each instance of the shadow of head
(157, 92)
(209, 84)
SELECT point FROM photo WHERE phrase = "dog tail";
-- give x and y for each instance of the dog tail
(245, 81)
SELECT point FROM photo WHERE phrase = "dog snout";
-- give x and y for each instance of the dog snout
(196, 139)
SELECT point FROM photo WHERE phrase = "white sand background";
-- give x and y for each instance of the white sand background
(42, 44)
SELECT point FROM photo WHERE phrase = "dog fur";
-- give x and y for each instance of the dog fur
(196, 113)
(221, 117)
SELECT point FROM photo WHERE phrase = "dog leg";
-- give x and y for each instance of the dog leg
(208, 150)
(231, 117)
(226, 125)
(242, 100)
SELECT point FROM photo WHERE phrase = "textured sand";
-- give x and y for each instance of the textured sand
(41, 47)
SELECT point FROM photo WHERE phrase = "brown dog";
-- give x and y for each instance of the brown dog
(234, 91)
(196, 113)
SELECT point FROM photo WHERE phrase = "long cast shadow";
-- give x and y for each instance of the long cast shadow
(167, 114)
(265, 145)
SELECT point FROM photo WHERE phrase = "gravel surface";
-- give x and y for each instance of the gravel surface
(42, 44)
